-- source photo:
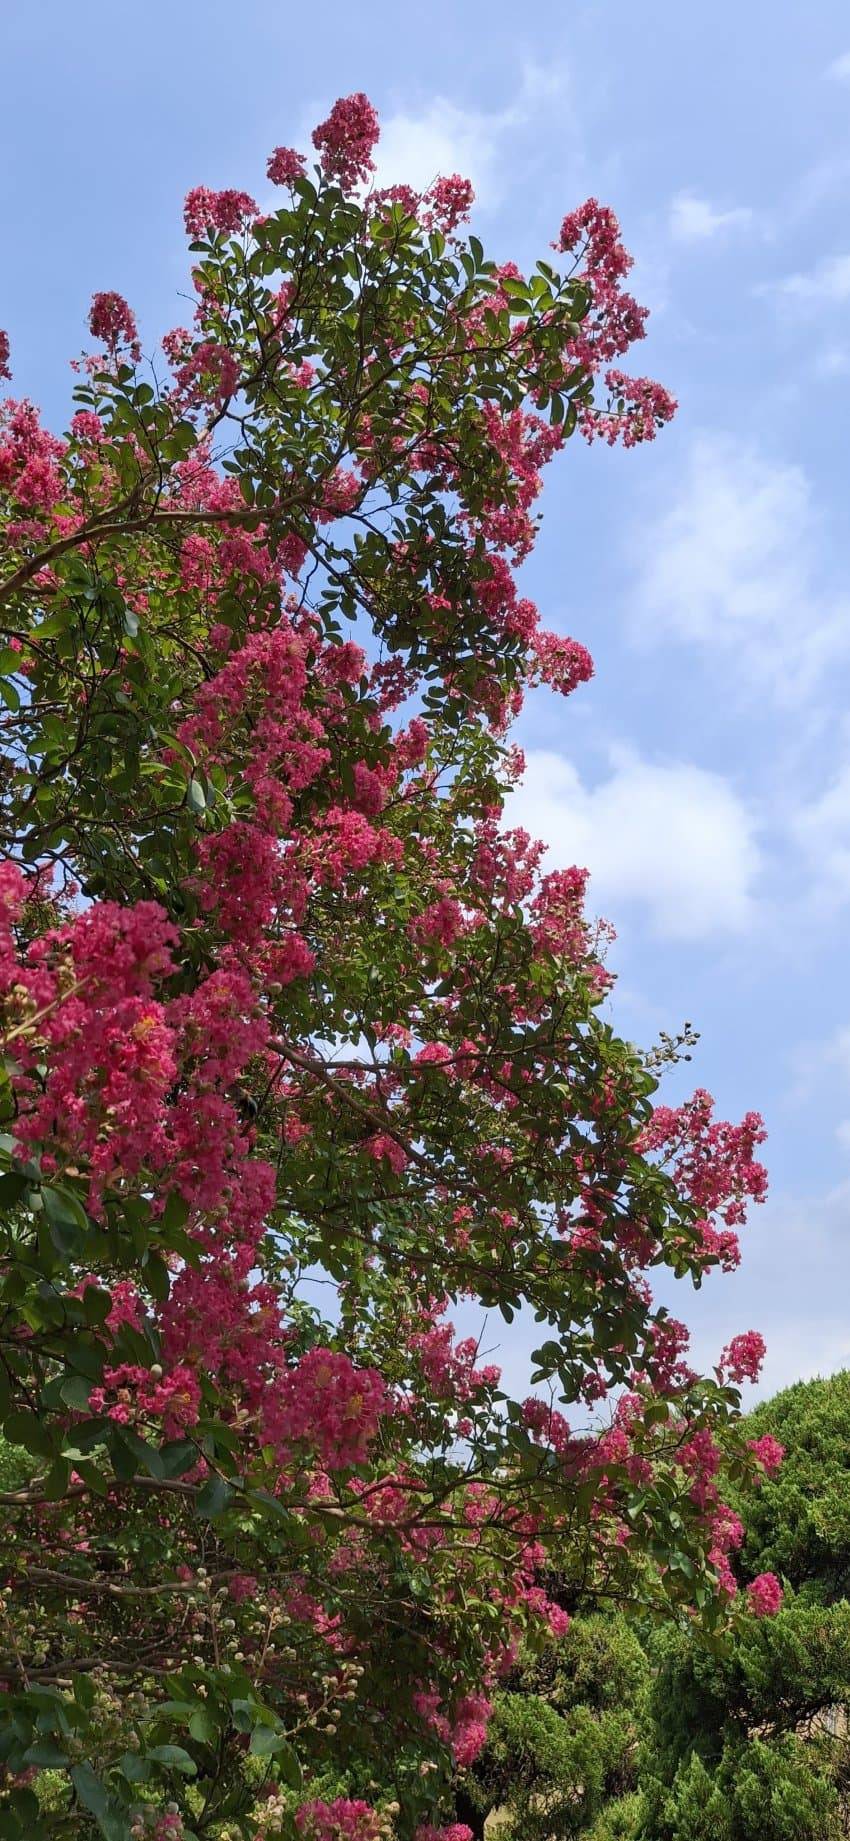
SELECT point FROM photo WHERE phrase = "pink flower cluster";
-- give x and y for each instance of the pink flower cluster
(712, 1161)
(345, 140)
(4, 354)
(742, 1358)
(464, 1730)
(344, 1819)
(30, 458)
(456, 1831)
(642, 407)
(764, 1595)
(447, 203)
(285, 165)
(545, 1423)
(130, 1393)
(384, 1149)
(330, 1405)
(557, 914)
(227, 212)
(562, 663)
(210, 373)
(168, 1827)
(727, 1533)
(768, 1452)
(441, 921)
(448, 1366)
(112, 321)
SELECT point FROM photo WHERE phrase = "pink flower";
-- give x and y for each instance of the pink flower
(112, 321)
(441, 921)
(638, 408)
(285, 165)
(594, 229)
(344, 664)
(743, 1356)
(4, 354)
(368, 790)
(87, 426)
(764, 1595)
(545, 1423)
(712, 1161)
(561, 663)
(346, 139)
(385, 1149)
(768, 1451)
(447, 203)
(329, 1403)
(342, 1820)
(456, 1831)
(226, 211)
(210, 371)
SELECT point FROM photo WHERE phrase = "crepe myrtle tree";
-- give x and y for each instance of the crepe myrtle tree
(282, 996)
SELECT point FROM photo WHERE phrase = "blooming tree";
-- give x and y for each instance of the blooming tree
(302, 1046)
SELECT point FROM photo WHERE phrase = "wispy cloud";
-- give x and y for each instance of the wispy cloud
(442, 137)
(827, 284)
(839, 69)
(733, 562)
(667, 838)
(821, 829)
(695, 220)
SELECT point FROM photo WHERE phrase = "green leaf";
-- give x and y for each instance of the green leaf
(12, 1187)
(26, 1807)
(178, 1456)
(57, 1479)
(265, 1741)
(48, 1756)
(203, 1727)
(75, 1390)
(214, 1497)
(147, 1455)
(24, 1428)
(96, 1305)
(134, 1768)
(175, 1212)
(62, 1208)
(92, 1793)
(84, 1692)
(288, 1766)
(175, 1758)
(196, 798)
(156, 1277)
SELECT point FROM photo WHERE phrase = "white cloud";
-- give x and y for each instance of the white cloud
(694, 219)
(442, 139)
(732, 563)
(670, 838)
(827, 284)
(822, 829)
(840, 68)
(794, 1273)
(417, 146)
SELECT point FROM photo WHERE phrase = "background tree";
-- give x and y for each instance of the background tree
(288, 1016)
(750, 1743)
(562, 1742)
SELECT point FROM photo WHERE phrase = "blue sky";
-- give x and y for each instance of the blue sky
(705, 776)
